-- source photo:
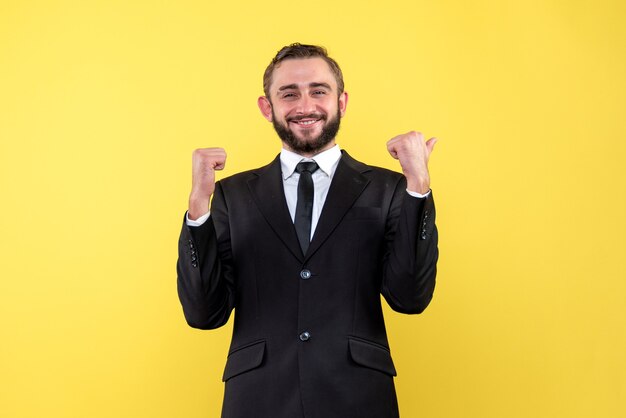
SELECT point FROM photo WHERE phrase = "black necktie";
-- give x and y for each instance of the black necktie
(304, 206)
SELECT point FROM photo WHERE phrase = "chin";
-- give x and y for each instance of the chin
(311, 142)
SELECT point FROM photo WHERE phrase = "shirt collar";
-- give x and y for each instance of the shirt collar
(326, 160)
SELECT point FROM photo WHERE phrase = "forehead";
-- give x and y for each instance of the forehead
(302, 72)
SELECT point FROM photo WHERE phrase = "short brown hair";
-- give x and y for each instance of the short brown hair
(301, 51)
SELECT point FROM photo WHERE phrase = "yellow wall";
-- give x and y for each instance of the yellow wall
(102, 103)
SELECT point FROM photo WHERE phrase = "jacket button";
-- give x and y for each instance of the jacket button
(305, 336)
(305, 274)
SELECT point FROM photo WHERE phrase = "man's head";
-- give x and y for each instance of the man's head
(300, 51)
(304, 98)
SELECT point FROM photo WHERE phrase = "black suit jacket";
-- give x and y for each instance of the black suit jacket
(309, 337)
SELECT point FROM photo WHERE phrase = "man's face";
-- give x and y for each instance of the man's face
(304, 105)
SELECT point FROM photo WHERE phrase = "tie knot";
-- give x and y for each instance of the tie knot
(309, 166)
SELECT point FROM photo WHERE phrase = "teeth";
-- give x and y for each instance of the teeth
(306, 122)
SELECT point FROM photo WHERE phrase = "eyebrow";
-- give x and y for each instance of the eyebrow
(325, 85)
(295, 86)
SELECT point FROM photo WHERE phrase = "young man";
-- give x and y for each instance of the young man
(302, 249)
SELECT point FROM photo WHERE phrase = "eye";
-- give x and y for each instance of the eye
(319, 92)
(289, 96)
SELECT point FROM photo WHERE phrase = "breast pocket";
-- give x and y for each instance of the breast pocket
(364, 213)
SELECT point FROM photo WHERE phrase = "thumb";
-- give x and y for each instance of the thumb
(430, 144)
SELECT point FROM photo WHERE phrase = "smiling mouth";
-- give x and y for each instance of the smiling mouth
(305, 122)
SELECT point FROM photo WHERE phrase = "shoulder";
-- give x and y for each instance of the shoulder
(370, 171)
(242, 178)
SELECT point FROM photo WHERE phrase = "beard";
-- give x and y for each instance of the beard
(309, 144)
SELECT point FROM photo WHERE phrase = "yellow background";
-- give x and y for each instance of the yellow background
(102, 103)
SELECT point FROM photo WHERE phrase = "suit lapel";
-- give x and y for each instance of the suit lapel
(347, 185)
(269, 195)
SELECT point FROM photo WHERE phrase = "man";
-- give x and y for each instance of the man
(302, 249)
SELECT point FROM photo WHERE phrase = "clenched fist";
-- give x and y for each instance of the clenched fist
(413, 153)
(204, 162)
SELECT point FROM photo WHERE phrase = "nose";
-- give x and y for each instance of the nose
(306, 105)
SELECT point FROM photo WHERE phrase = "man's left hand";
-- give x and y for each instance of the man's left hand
(413, 154)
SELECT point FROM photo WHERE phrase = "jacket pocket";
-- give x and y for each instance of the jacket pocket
(371, 355)
(364, 213)
(244, 359)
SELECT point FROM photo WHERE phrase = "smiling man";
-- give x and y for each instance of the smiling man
(302, 249)
(306, 114)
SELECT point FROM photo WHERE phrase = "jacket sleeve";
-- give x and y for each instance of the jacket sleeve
(411, 253)
(204, 268)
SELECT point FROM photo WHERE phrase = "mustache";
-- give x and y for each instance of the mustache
(309, 116)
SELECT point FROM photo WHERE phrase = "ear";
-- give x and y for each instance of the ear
(343, 103)
(265, 106)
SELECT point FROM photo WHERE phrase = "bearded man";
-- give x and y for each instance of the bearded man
(302, 249)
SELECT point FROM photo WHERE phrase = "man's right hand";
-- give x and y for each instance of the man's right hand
(204, 163)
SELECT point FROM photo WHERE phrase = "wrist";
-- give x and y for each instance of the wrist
(198, 206)
(421, 186)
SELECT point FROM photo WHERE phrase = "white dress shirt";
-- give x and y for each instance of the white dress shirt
(327, 162)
